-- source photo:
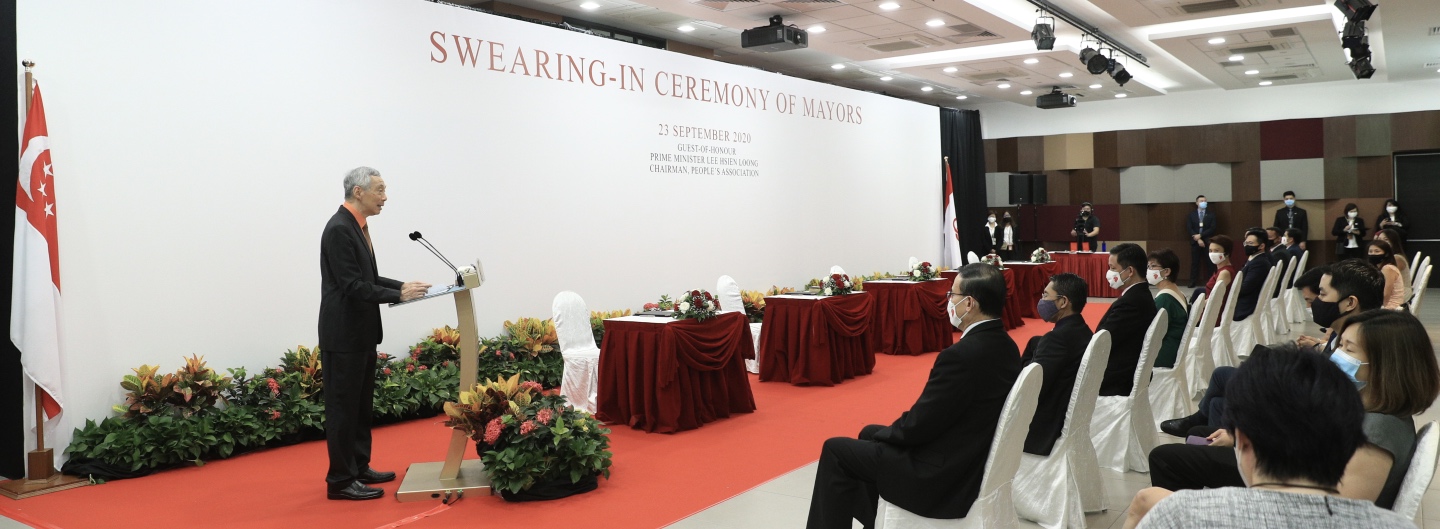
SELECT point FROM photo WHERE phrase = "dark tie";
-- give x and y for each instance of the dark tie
(366, 229)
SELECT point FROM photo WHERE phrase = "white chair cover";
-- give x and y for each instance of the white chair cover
(753, 365)
(1202, 348)
(993, 508)
(1297, 310)
(1123, 428)
(1420, 287)
(1421, 472)
(1169, 391)
(837, 270)
(1222, 346)
(728, 292)
(580, 382)
(913, 262)
(1415, 267)
(1244, 334)
(1048, 489)
(1278, 315)
(970, 257)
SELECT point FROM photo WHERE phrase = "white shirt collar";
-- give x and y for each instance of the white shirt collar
(1127, 289)
(972, 326)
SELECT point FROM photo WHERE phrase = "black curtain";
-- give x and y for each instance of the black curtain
(12, 402)
(960, 141)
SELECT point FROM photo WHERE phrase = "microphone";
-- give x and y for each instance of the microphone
(415, 236)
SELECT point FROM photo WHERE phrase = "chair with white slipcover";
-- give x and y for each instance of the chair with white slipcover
(1420, 287)
(837, 270)
(970, 257)
(1169, 391)
(994, 507)
(1247, 332)
(913, 262)
(1415, 267)
(1123, 427)
(1202, 356)
(1420, 474)
(1048, 489)
(1295, 309)
(1222, 343)
(728, 292)
(580, 381)
(1279, 322)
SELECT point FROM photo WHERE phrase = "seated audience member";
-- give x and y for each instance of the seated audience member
(1220, 249)
(1383, 256)
(1127, 319)
(1059, 353)
(1294, 242)
(1389, 236)
(1163, 264)
(1257, 267)
(1299, 448)
(931, 459)
(1277, 245)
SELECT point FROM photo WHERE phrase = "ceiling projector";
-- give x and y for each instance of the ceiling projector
(774, 37)
(1055, 99)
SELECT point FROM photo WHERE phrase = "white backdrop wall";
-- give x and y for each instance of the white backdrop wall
(199, 150)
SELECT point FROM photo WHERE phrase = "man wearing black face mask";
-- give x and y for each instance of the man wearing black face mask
(1087, 227)
(1059, 353)
(1351, 287)
(1256, 268)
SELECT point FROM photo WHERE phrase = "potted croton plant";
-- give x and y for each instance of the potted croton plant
(534, 445)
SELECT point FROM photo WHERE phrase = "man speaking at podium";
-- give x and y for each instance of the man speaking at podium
(351, 291)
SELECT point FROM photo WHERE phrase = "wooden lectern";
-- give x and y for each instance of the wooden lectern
(449, 479)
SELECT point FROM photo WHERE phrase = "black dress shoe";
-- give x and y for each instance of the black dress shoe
(371, 477)
(1181, 427)
(355, 491)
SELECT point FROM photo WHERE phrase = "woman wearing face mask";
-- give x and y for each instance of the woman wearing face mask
(1349, 231)
(1161, 272)
(1383, 257)
(1393, 218)
(1390, 358)
(1220, 249)
(992, 230)
(1007, 237)
(1390, 236)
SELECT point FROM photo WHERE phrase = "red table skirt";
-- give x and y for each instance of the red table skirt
(1030, 281)
(910, 317)
(819, 342)
(1091, 267)
(675, 376)
(1013, 312)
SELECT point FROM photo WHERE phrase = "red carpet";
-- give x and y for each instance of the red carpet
(656, 479)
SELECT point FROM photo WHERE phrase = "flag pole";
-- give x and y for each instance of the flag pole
(40, 474)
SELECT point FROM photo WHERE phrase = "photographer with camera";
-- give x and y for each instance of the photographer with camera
(1087, 227)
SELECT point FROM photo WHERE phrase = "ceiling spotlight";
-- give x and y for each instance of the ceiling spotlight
(886, 78)
(1032, 60)
(1266, 83)
(1251, 72)
(837, 66)
(1356, 9)
(1025, 92)
(589, 6)
(1121, 96)
(1237, 58)
(1362, 50)
(1003, 85)
(1087, 54)
(1119, 74)
(1354, 32)
(1217, 40)
(889, 6)
(926, 89)
(962, 97)
(1044, 33)
(1066, 74)
(1361, 68)
(1096, 85)
(686, 28)
(1097, 63)
(950, 69)
(816, 29)
(935, 23)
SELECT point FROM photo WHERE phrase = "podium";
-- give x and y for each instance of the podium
(449, 479)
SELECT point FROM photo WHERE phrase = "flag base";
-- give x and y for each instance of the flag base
(42, 478)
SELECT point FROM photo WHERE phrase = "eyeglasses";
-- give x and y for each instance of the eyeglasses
(953, 294)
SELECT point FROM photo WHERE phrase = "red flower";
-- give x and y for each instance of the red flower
(409, 368)
(527, 427)
(274, 415)
(543, 416)
(422, 367)
(274, 386)
(446, 364)
(694, 293)
(415, 351)
(382, 356)
(386, 371)
(492, 431)
(707, 296)
(531, 385)
(651, 306)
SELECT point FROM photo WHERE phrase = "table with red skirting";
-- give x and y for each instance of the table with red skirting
(664, 375)
(1091, 267)
(1030, 281)
(818, 340)
(1012, 314)
(910, 316)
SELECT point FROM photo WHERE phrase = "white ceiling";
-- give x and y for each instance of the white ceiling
(986, 43)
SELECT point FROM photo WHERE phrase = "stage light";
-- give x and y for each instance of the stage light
(1362, 50)
(1354, 32)
(1044, 33)
(1356, 9)
(1119, 74)
(1361, 68)
(1098, 63)
(1086, 54)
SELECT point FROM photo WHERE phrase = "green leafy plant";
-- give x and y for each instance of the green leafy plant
(197, 388)
(442, 345)
(148, 393)
(536, 336)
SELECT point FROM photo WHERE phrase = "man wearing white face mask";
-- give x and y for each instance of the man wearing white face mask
(930, 460)
(1127, 319)
(1200, 224)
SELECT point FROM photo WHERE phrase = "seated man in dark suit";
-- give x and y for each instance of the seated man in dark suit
(930, 460)
(1128, 317)
(1256, 268)
(1058, 352)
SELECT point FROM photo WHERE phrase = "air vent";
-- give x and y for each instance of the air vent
(722, 6)
(1206, 7)
(993, 76)
(1435, 31)
(811, 2)
(1228, 64)
(1253, 49)
(1280, 77)
(891, 47)
(967, 29)
(1432, 65)
(901, 43)
(1282, 32)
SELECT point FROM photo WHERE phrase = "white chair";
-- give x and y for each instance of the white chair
(1425, 262)
(1203, 344)
(994, 507)
(1420, 474)
(1169, 391)
(1244, 334)
(580, 382)
(1278, 315)
(1296, 310)
(1123, 428)
(1414, 266)
(1420, 287)
(970, 257)
(1048, 489)
(1222, 342)
(913, 262)
(837, 270)
(728, 292)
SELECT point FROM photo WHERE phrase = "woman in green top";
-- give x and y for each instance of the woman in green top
(1163, 265)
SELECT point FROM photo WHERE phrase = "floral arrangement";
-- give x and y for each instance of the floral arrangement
(537, 336)
(443, 344)
(993, 260)
(1040, 256)
(837, 285)
(665, 303)
(922, 271)
(526, 437)
(696, 305)
(754, 301)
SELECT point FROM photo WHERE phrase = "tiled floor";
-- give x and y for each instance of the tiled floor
(785, 501)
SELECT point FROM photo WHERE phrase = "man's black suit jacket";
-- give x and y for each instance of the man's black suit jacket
(1255, 271)
(933, 456)
(351, 289)
(1127, 320)
(1059, 353)
(1302, 221)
